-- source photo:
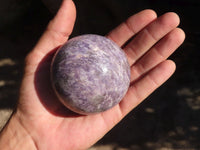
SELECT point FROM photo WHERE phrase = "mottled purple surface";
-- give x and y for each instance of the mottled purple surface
(90, 74)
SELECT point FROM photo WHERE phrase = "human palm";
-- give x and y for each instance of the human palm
(49, 123)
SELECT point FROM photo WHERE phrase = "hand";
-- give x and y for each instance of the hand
(42, 122)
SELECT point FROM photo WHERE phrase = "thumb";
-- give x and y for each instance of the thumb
(58, 29)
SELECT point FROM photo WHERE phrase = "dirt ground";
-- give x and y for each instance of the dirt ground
(168, 120)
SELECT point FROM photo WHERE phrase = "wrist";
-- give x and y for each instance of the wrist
(15, 137)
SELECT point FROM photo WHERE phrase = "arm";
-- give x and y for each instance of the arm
(14, 136)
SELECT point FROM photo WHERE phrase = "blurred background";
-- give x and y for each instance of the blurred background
(168, 120)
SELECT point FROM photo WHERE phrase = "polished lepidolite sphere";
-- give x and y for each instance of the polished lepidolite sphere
(90, 74)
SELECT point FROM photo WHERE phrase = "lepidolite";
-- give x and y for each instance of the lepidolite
(90, 74)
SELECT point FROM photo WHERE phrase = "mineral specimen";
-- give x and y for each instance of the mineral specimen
(90, 74)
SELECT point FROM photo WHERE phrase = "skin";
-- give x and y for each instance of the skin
(41, 122)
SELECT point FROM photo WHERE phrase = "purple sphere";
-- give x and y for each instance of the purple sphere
(90, 74)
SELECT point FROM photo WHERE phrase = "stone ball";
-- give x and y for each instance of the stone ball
(90, 74)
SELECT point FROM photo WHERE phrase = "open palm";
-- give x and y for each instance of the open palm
(49, 123)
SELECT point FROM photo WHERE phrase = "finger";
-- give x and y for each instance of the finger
(58, 29)
(131, 26)
(161, 51)
(150, 35)
(145, 86)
